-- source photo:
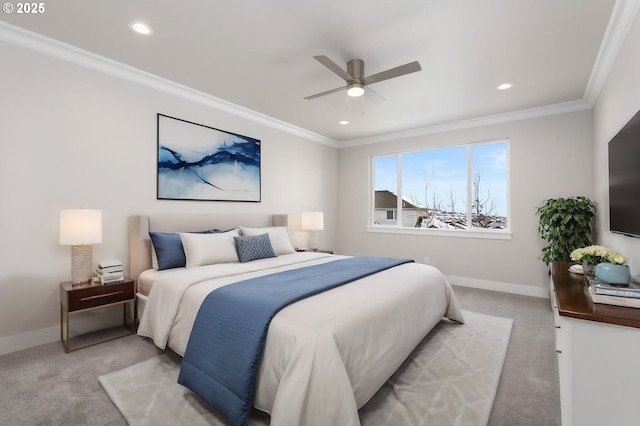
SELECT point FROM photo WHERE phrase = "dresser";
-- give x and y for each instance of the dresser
(598, 350)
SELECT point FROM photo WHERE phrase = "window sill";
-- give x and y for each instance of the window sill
(491, 234)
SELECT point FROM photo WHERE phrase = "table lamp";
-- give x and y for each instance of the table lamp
(80, 228)
(313, 222)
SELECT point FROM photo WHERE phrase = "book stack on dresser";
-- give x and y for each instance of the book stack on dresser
(619, 295)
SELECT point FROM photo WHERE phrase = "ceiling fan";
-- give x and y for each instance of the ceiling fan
(354, 76)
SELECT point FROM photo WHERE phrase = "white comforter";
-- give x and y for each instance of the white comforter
(325, 356)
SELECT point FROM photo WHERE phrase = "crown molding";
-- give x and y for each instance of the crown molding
(620, 22)
(525, 114)
(66, 52)
(622, 16)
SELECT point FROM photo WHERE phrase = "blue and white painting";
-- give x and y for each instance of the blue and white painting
(197, 162)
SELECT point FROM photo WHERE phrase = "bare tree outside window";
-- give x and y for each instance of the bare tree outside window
(483, 205)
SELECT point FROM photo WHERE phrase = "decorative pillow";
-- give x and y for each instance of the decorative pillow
(253, 248)
(208, 249)
(167, 250)
(278, 235)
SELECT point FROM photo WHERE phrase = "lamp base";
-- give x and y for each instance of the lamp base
(81, 263)
(312, 241)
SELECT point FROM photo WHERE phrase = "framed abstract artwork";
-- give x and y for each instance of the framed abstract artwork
(197, 162)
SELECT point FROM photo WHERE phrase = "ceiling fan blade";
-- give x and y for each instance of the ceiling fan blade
(328, 92)
(334, 67)
(373, 96)
(393, 72)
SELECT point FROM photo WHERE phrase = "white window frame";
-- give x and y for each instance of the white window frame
(498, 234)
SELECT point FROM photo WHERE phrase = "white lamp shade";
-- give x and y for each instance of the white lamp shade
(312, 221)
(80, 227)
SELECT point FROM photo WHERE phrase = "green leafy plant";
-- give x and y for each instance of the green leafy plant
(565, 224)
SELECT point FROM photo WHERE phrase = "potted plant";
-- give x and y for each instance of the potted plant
(565, 224)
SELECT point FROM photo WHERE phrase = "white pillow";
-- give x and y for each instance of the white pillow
(279, 236)
(208, 249)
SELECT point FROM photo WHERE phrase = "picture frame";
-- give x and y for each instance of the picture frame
(201, 163)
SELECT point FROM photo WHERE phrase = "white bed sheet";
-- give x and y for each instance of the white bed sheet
(325, 356)
(147, 279)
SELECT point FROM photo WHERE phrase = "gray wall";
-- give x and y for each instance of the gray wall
(73, 137)
(618, 102)
(549, 157)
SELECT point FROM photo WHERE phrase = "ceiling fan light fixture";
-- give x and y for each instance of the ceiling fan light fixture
(355, 78)
(355, 89)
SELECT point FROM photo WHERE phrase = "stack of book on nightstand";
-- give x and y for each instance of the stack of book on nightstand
(110, 272)
(619, 295)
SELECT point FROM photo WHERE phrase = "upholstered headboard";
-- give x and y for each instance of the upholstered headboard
(140, 226)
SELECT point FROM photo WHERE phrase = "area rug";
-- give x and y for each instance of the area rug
(451, 378)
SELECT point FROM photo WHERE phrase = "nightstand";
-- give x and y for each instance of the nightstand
(77, 298)
(317, 251)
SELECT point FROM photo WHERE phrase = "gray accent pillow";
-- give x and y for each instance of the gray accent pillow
(254, 247)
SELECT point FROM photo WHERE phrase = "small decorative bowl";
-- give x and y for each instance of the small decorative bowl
(608, 273)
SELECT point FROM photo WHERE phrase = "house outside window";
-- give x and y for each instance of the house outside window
(458, 188)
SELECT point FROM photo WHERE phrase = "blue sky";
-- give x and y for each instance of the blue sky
(441, 174)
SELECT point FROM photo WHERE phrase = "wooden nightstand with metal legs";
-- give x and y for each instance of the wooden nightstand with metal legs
(77, 298)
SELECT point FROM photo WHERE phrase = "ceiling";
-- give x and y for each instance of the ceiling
(259, 54)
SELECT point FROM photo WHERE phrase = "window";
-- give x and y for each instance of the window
(460, 188)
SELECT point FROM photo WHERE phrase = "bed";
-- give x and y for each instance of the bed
(325, 356)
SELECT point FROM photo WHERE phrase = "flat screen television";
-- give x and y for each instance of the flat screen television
(624, 179)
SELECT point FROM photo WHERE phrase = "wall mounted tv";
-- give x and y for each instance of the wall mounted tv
(624, 179)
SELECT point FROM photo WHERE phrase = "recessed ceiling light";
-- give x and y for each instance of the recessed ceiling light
(343, 122)
(141, 28)
(505, 86)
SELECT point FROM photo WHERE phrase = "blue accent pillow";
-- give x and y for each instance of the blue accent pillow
(254, 247)
(169, 250)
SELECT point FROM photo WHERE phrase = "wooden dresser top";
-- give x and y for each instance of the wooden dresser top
(574, 301)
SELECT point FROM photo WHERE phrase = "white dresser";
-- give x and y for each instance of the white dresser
(598, 349)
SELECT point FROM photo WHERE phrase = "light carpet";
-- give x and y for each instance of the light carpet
(450, 378)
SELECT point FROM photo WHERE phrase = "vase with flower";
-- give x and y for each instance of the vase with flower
(605, 264)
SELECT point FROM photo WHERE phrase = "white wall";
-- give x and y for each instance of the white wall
(618, 102)
(73, 137)
(550, 157)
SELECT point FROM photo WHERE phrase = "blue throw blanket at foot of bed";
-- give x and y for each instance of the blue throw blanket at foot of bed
(229, 333)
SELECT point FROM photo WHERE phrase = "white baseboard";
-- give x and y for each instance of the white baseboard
(29, 339)
(80, 324)
(96, 320)
(523, 290)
